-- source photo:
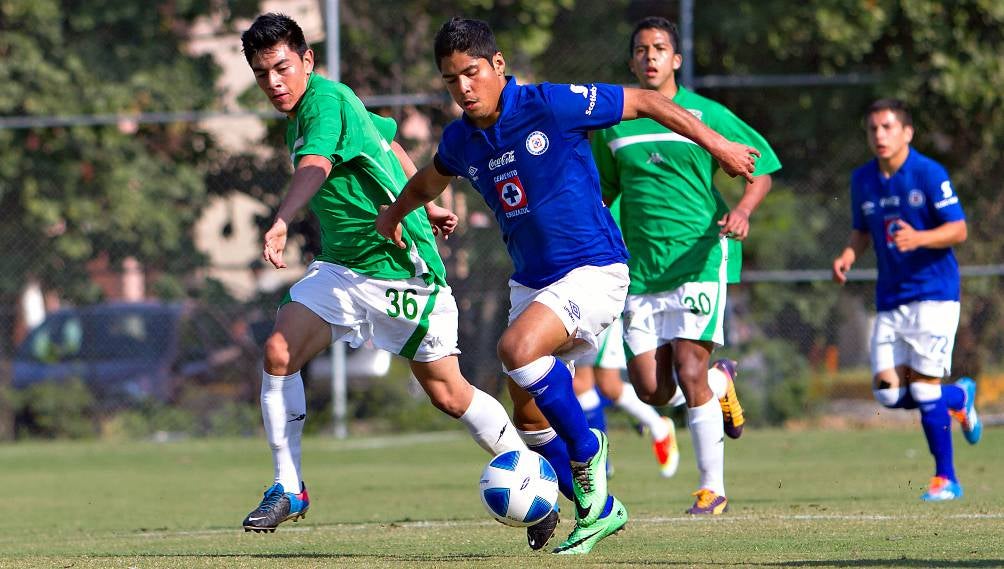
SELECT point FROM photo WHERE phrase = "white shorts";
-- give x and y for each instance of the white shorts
(610, 354)
(587, 300)
(694, 311)
(406, 317)
(920, 335)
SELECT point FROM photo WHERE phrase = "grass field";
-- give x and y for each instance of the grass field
(799, 499)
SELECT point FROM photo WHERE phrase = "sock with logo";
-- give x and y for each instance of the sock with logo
(550, 384)
(937, 424)
(547, 444)
(487, 421)
(284, 411)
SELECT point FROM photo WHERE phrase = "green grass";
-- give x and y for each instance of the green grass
(799, 499)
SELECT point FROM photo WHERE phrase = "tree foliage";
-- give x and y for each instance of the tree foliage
(71, 194)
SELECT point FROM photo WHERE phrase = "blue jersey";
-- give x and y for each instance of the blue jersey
(920, 194)
(534, 168)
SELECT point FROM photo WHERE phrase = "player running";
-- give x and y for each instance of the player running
(904, 203)
(685, 248)
(525, 149)
(360, 287)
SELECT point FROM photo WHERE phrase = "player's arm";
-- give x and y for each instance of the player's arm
(856, 244)
(443, 220)
(310, 173)
(426, 185)
(736, 223)
(735, 159)
(946, 235)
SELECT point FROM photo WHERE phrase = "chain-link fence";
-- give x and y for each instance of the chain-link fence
(148, 266)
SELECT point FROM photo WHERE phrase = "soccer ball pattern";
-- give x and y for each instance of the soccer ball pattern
(519, 488)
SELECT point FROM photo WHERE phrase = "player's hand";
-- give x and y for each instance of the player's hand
(444, 221)
(906, 238)
(389, 227)
(275, 244)
(840, 267)
(738, 159)
(735, 224)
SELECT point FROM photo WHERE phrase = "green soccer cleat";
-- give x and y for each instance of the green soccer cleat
(584, 538)
(589, 483)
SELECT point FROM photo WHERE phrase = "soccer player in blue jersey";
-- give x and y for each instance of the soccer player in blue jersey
(905, 204)
(525, 149)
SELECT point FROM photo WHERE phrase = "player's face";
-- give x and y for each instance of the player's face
(282, 75)
(475, 84)
(653, 59)
(888, 138)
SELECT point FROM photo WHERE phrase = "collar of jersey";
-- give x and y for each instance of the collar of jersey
(509, 93)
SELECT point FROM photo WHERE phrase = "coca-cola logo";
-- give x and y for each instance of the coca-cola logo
(507, 158)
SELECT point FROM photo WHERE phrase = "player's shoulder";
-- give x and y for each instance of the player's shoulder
(864, 172)
(323, 91)
(699, 105)
(924, 164)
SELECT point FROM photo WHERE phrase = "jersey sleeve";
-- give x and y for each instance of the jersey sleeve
(585, 107)
(733, 128)
(606, 165)
(386, 126)
(448, 159)
(333, 129)
(942, 195)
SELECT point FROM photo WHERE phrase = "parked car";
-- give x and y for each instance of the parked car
(128, 352)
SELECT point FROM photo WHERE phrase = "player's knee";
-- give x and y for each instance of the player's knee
(889, 397)
(692, 372)
(277, 356)
(513, 352)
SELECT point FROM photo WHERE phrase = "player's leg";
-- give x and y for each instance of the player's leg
(584, 384)
(525, 350)
(609, 363)
(929, 332)
(483, 416)
(566, 317)
(298, 335)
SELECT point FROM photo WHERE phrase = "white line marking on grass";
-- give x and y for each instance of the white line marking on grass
(422, 524)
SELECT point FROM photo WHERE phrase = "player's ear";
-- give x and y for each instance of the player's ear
(308, 61)
(908, 131)
(498, 62)
(677, 61)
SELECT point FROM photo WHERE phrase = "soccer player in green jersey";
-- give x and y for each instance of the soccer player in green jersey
(685, 247)
(361, 287)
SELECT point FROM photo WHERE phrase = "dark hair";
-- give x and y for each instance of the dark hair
(473, 37)
(270, 30)
(656, 23)
(897, 107)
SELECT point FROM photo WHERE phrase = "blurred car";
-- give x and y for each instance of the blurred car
(134, 351)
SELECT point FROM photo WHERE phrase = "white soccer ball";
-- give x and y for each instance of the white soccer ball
(519, 488)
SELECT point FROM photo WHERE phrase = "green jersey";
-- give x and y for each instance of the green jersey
(331, 122)
(669, 208)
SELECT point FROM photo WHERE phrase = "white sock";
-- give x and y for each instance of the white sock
(643, 412)
(284, 410)
(489, 424)
(589, 400)
(718, 382)
(678, 399)
(708, 434)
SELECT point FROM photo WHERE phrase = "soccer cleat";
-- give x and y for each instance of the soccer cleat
(584, 537)
(589, 483)
(972, 426)
(941, 489)
(538, 534)
(667, 451)
(708, 503)
(276, 507)
(732, 411)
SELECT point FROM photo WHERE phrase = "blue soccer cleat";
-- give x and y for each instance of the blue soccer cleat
(276, 507)
(972, 427)
(942, 489)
